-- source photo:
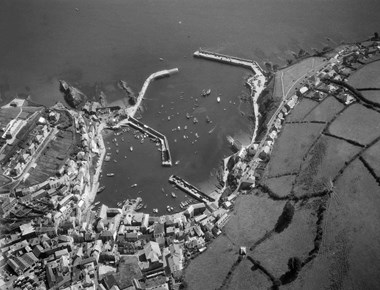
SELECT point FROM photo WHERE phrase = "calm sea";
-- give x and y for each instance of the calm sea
(93, 44)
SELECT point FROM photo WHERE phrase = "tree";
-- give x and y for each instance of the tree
(285, 218)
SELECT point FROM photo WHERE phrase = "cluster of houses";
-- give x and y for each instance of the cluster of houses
(57, 242)
(316, 87)
(87, 249)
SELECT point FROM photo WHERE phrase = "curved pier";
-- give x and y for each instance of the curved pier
(157, 75)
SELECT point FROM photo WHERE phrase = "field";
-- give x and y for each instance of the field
(208, 270)
(291, 146)
(128, 269)
(293, 76)
(253, 217)
(357, 123)
(52, 158)
(373, 95)
(349, 254)
(372, 156)
(244, 277)
(328, 108)
(295, 241)
(366, 77)
(280, 185)
(323, 163)
(301, 110)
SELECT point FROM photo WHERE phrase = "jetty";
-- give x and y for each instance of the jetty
(190, 189)
(157, 75)
(165, 151)
(233, 60)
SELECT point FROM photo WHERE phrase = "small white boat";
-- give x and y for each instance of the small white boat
(173, 195)
(177, 162)
(212, 130)
(155, 210)
(218, 99)
(110, 174)
(131, 148)
(133, 185)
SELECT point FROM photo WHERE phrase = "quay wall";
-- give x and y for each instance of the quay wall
(253, 65)
(187, 187)
(165, 151)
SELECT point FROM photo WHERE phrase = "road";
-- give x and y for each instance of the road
(285, 98)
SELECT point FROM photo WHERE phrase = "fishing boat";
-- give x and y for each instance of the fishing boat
(107, 158)
(208, 92)
(110, 174)
(117, 151)
(100, 189)
(173, 195)
(155, 210)
(131, 148)
(139, 206)
(218, 99)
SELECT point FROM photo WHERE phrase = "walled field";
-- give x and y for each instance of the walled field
(349, 254)
(323, 163)
(291, 146)
(366, 77)
(253, 217)
(294, 241)
(304, 107)
(373, 96)
(52, 158)
(244, 277)
(372, 156)
(328, 108)
(357, 123)
(280, 185)
(208, 270)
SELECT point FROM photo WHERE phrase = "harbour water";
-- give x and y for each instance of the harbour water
(94, 43)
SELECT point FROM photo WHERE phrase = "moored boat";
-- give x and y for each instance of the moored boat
(133, 185)
(110, 174)
(173, 195)
(139, 206)
(100, 189)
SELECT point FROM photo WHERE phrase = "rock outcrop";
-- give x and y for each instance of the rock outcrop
(74, 97)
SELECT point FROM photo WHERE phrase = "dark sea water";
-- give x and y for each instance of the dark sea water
(105, 41)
